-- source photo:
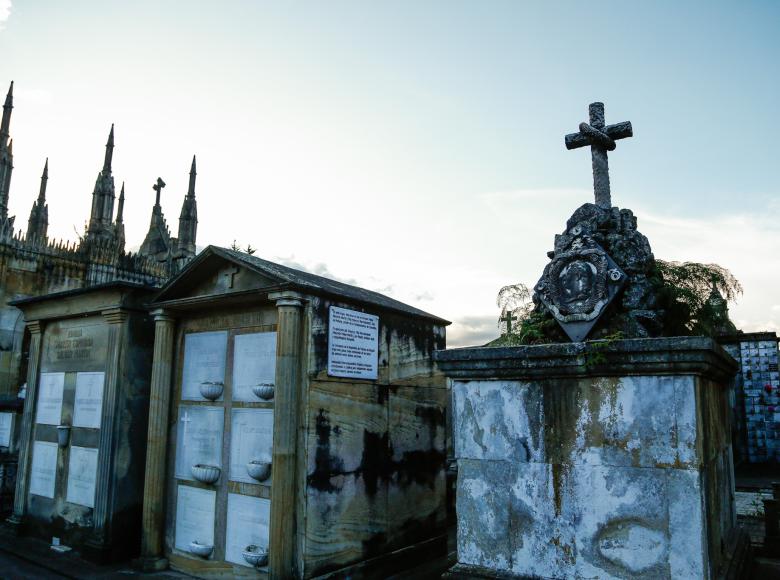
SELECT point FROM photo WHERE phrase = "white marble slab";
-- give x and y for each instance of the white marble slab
(254, 361)
(82, 473)
(49, 405)
(6, 429)
(195, 510)
(88, 404)
(43, 469)
(247, 523)
(199, 438)
(353, 344)
(204, 360)
(251, 437)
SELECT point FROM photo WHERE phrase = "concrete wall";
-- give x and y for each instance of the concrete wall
(608, 477)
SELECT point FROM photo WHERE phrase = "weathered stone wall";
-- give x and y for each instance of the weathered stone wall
(375, 450)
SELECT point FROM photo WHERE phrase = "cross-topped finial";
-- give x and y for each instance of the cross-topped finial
(508, 318)
(601, 139)
(158, 188)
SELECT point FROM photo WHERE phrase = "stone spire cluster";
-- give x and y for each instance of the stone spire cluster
(105, 232)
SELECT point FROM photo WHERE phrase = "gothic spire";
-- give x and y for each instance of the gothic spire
(38, 223)
(5, 125)
(120, 210)
(44, 179)
(109, 151)
(188, 219)
(193, 173)
(119, 226)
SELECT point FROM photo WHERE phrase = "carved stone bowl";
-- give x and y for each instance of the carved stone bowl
(202, 550)
(264, 391)
(259, 470)
(206, 473)
(211, 390)
(255, 555)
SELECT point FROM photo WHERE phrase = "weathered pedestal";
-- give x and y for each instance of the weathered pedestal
(608, 460)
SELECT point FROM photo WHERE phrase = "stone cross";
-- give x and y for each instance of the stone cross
(508, 318)
(186, 420)
(158, 188)
(601, 139)
(232, 276)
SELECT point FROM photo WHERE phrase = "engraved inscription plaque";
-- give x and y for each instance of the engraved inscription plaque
(49, 408)
(82, 472)
(251, 437)
(353, 344)
(247, 523)
(194, 517)
(43, 469)
(88, 404)
(254, 361)
(199, 438)
(204, 361)
(6, 428)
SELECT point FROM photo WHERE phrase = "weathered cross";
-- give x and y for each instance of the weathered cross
(158, 188)
(509, 319)
(232, 276)
(186, 420)
(601, 139)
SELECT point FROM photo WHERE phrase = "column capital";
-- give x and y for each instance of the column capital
(287, 298)
(162, 315)
(35, 326)
(115, 315)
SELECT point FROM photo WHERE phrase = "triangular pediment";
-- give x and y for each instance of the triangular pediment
(211, 274)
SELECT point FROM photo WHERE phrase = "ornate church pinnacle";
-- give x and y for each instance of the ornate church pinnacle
(44, 180)
(193, 173)
(109, 151)
(5, 125)
(121, 208)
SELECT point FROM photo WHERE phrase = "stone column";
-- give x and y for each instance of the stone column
(99, 543)
(287, 397)
(152, 557)
(28, 418)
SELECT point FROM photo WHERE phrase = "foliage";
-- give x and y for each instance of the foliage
(248, 250)
(694, 297)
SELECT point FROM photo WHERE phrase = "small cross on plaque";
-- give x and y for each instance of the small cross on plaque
(601, 139)
(509, 319)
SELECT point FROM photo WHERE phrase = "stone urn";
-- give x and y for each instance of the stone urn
(255, 555)
(264, 391)
(63, 435)
(258, 469)
(212, 390)
(205, 473)
(202, 550)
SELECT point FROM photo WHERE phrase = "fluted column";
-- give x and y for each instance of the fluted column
(25, 440)
(104, 483)
(287, 398)
(157, 444)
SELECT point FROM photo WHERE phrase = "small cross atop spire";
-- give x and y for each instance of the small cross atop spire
(158, 188)
(601, 139)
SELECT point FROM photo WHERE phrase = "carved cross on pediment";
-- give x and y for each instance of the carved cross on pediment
(601, 139)
(231, 276)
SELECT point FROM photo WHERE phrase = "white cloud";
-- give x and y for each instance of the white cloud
(5, 12)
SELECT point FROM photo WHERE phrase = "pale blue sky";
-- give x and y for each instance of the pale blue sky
(413, 147)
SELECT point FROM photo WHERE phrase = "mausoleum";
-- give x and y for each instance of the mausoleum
(82, 435)
(297, 425)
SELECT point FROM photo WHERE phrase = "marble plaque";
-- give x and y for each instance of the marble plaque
(247, 523)
(43, 469)
(194, 517)
(49, 409)
(204, 360)
(353, 344)
(88, 405)
(251, 437)
(199, 438)
(254, 361)
(82, 472)
(6, 429)
(80, 344)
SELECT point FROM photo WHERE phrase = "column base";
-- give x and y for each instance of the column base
(151, 564)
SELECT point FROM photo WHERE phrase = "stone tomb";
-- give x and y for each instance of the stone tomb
(293, 413)
(82, 440)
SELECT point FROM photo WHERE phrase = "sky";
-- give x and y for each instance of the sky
(413, 148)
